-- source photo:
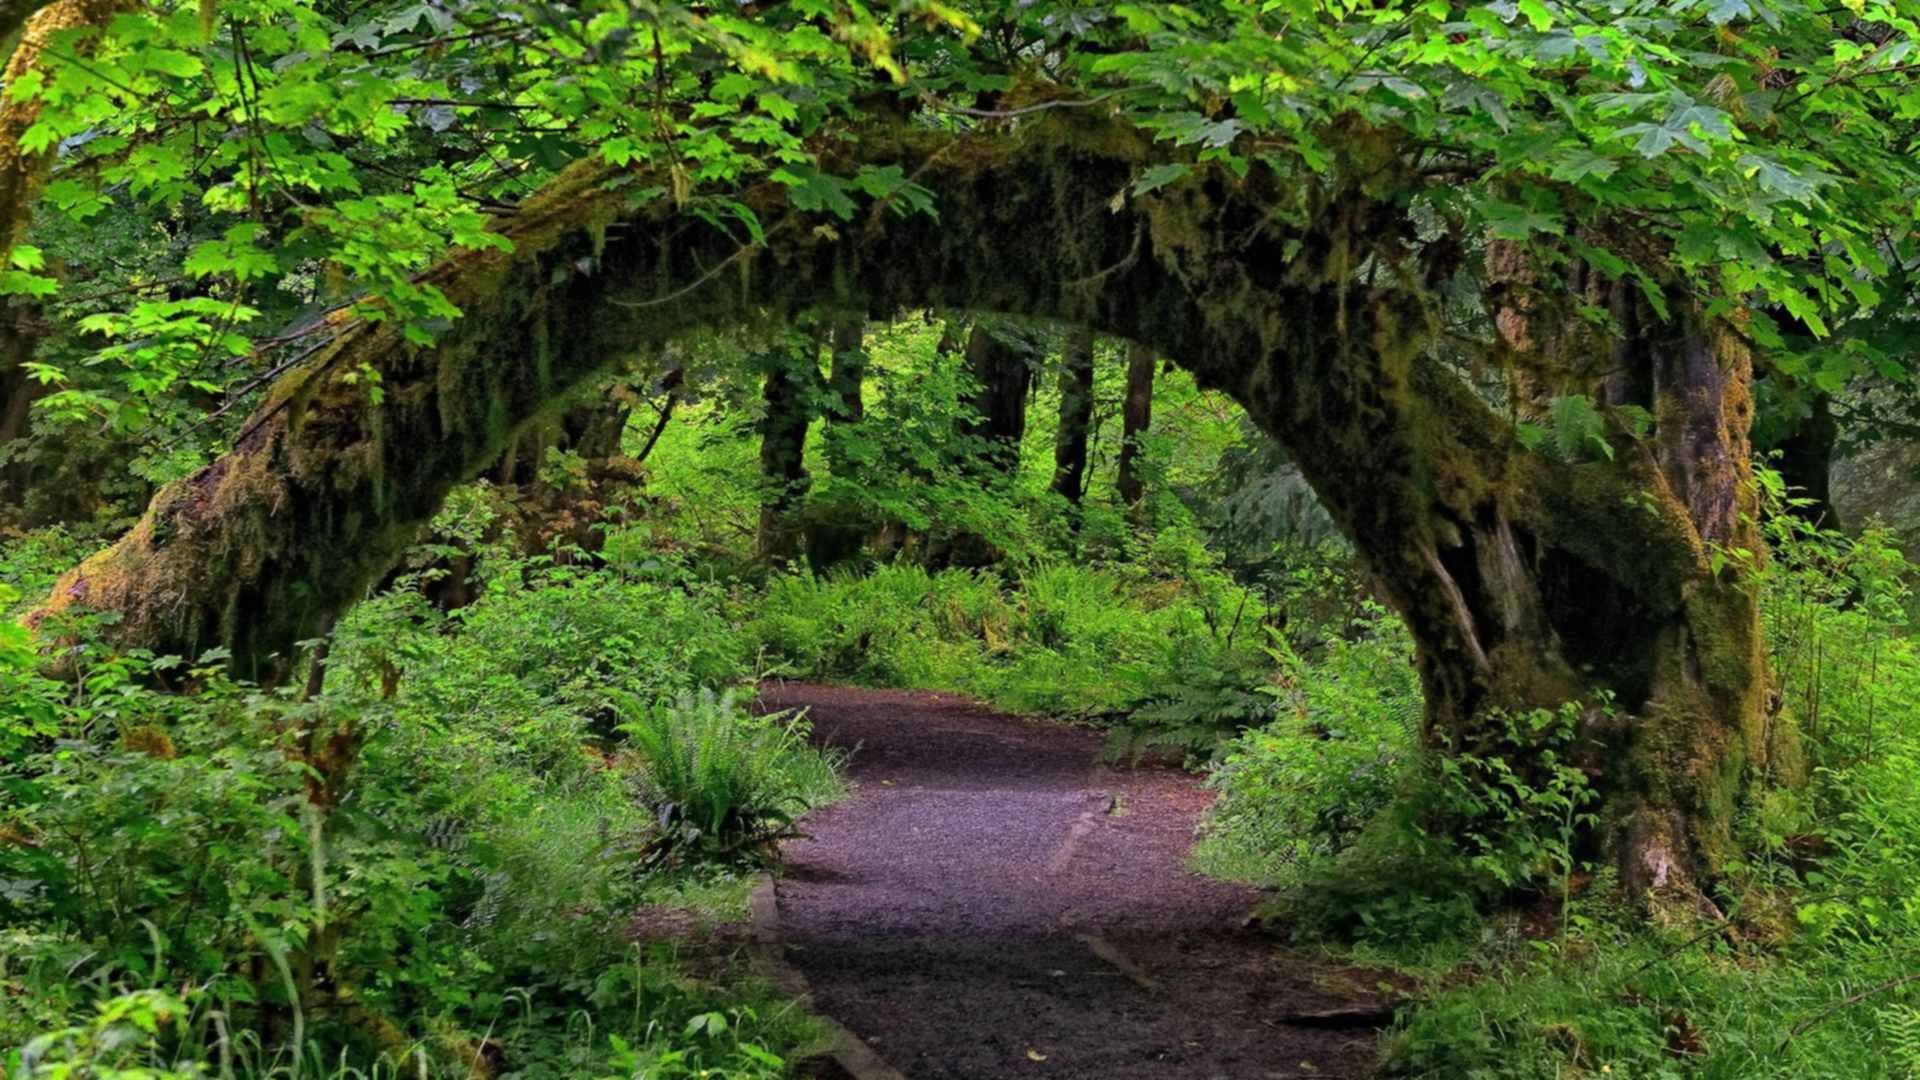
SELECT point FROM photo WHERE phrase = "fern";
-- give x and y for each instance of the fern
(721, 782)
(1902, 1026)
(1195, 717)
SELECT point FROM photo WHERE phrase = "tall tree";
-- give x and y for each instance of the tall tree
(1076, 415)
(847, 375)
(1136, 419)
(1001, 367)
(788, 391)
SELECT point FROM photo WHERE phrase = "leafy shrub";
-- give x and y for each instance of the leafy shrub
(1210, 696)
(30, 563)
(723, 783)
(1298, 792)
(1367, 835)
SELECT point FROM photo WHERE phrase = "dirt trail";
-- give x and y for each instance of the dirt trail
(991, 903)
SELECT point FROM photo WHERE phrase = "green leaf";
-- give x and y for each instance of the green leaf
(812, 190)
(1159, 176)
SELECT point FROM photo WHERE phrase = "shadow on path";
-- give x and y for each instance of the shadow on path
(992, 903)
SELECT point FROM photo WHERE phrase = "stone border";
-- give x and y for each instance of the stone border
(769, 957)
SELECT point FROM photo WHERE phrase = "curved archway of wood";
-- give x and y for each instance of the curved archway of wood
(323, 488)
(1524, 581)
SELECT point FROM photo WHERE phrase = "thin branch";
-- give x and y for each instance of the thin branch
(1856, 999)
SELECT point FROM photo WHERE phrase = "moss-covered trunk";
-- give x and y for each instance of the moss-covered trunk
(1530, 581)
(1526, 581)
(1076, 416)
(847, 375)
(1136, 418)
(1002, 373)
(17, 395)
(787, 392)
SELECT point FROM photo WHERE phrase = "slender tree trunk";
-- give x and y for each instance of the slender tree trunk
(1136, 419)
(669, 388)
(848, 374)
(1003, 374)
(1806, 463)
(17, 395)
(1076, 416)
(792, 377)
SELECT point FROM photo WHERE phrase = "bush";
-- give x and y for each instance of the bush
(1296, 793)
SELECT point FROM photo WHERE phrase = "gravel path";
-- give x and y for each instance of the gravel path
(992, 903)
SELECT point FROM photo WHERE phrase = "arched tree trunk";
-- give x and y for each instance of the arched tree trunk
(1526, 581)
(1076, 416)
(1136, 418)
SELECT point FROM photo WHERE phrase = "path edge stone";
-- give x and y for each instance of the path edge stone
(768, 950)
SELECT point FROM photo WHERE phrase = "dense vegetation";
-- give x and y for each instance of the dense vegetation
(425, 424)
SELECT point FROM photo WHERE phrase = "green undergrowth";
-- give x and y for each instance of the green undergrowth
(427, 868)
(1055, 638)
(1811, 973)
(1457, 870)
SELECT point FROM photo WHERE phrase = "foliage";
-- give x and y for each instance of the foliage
(1820, 914)
(1299, 791)
(722, 783)
(1059, 639)
(396, 867)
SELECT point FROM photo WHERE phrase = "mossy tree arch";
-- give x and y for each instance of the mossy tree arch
(1526, 581)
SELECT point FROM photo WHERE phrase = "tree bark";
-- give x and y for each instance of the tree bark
(792, 378)
(1003, 373)
(1076, 416)
(1526, 581)
(1806, 463)
(22, 176)
(17, 395)
(847, 376)
(1136, 420)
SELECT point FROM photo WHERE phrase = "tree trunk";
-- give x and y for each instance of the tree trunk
(22, 176)
(1806, 463)
(17, 395)
(1076, 416)
(792, 378)
(1003, 374)
(1136, 419)
(848, 374)
(1525, 581)
(1529, 582)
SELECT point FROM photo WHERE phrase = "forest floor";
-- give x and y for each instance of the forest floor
(992, 903)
